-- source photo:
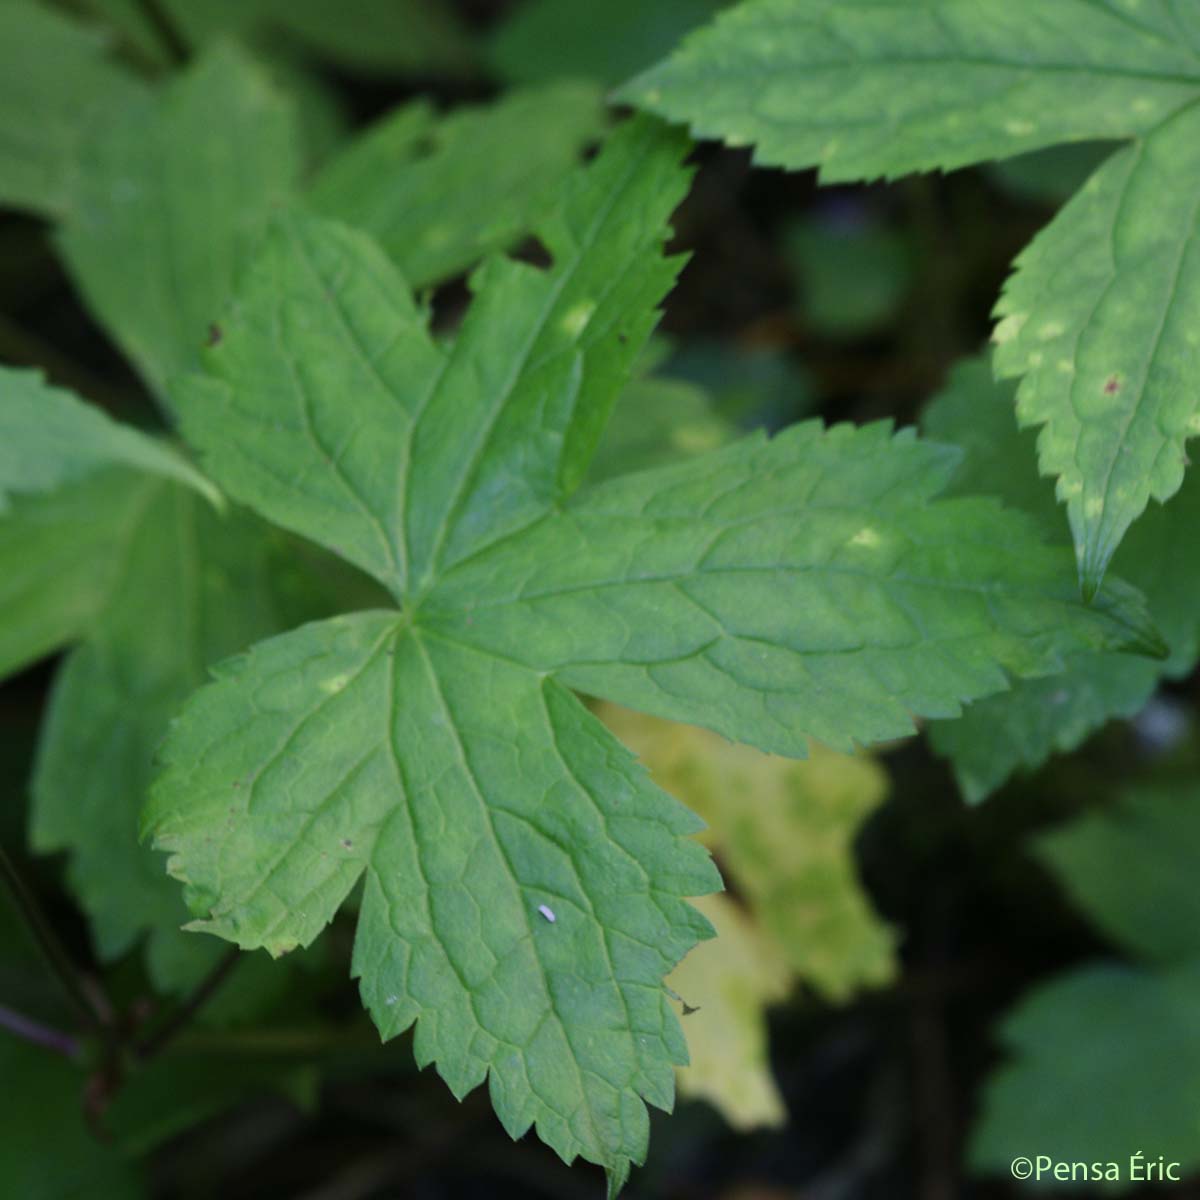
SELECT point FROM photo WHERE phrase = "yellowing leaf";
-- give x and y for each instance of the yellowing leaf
(729, 982)
(784, 831)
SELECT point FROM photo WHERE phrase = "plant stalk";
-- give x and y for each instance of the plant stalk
(157, 1041)
(33, 1031)
(91, 1005)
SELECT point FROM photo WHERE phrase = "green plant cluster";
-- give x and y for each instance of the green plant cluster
(332, 616)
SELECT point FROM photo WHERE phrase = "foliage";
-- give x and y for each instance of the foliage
(1022, 727)
(782, 831)
(1108, 1051)
(1099, 319)
(410, 591)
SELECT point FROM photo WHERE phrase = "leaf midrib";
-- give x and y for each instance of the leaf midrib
(485, 808)
(565, 275)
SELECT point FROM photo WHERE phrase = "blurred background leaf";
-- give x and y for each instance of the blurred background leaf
(1107, 1056)
(564, 39)
(1023, 727)
(783, 833)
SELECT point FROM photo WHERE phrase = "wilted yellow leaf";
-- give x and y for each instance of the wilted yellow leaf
(784, 833)
(730, 982)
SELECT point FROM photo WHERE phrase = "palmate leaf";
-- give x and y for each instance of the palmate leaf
(296, 773)
(172, 201)
(57, 90)
(530, 377)
(60, 555)
(1022, 727)
(525, 881)
(148, 585)
(1100, 318)
(441, 192)
(116, 553)
(189, 589)
(677, 592)
(49, 437)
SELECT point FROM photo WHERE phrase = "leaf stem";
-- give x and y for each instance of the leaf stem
(90, 1001)
(40, 1035)
(157, 1041)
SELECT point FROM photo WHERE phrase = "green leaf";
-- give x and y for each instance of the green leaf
(185, 588)
(869, 88)
(473, 794)
(1132, 869)
(1022, 727)
(440, 193)
(675, 592)
(1107, 1059)
(562, 39)
(525, 881)
(190, 589)
(1049, 177)
(60, 556)
(49, 437)
(753, 385)
(173, 201)
(656, 421)
(1101, 314)
(57, 91)
(531, 375)
(974, 411)
(1112, 1050)
(1101, 320)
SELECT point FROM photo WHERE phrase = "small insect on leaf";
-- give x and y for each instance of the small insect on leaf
(547, 912)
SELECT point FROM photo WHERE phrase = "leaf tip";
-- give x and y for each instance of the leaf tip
(618, 1177)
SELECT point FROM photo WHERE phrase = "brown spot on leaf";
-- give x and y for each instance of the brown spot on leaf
(1112, 386)
(214, 335)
